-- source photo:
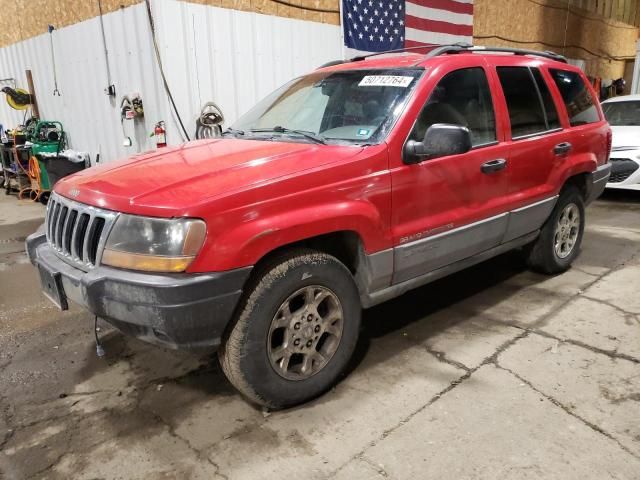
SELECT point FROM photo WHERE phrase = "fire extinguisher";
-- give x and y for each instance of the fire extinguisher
(161, 134)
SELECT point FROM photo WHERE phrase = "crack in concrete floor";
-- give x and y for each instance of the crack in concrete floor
(135, 358)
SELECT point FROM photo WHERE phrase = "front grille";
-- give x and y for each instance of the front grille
(77, 232)
(621, 169)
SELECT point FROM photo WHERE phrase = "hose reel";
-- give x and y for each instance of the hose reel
(209, 123)
(17, 98)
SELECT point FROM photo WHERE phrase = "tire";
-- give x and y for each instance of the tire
(544, 255)
(263, 331)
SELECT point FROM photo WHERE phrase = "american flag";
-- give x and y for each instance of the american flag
(379, 25)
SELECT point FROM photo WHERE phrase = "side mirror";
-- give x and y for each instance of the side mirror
(440, 140)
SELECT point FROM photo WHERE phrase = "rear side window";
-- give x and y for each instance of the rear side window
(462, 97)
(525, 102)
(577, 97)
(547, 100)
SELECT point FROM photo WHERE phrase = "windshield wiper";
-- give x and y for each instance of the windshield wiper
(233, 131)
(279, 129)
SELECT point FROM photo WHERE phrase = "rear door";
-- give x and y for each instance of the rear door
(446, 209)
(537, 144)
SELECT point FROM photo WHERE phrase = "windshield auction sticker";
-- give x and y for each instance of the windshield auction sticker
(385, 81)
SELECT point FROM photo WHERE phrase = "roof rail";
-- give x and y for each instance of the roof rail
(457, 48)
(438, 50)
(407, 49)
(359, 58)
(332, 63)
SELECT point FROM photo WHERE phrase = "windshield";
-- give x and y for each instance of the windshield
(620, 114)
(357, 106)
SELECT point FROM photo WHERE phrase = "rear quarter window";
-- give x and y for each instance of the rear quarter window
(576, 96)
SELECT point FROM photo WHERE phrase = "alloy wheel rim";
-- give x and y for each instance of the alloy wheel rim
(567, 231)
(305, 332)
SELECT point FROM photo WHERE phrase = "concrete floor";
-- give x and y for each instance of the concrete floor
(494, 373)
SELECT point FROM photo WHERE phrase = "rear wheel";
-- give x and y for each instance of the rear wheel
(296, 330)
(561, 236)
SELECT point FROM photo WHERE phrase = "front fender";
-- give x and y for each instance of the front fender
(247, 242)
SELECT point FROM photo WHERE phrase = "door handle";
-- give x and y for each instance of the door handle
(493, 166)
(562, 148)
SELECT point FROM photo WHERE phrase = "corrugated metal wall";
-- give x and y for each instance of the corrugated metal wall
(230, 57)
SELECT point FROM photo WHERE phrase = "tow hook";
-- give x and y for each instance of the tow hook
(99, 349)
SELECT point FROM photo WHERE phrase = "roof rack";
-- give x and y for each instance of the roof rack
(452, 49)
(457, 48)
(360, 58)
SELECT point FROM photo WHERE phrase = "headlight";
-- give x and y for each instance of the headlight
(153, 244)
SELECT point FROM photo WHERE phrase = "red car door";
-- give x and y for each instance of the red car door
(450, 208)
(537, 144)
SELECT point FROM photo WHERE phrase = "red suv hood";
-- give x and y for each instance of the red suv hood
(169, 181)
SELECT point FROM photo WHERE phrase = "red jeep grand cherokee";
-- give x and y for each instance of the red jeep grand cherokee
(344, 188)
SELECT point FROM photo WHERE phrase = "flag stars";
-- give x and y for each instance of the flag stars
(374, 24)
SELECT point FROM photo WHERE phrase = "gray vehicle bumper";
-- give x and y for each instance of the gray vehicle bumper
(599, 179)
(179, 311)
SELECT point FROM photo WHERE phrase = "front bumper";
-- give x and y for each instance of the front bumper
(179, 311)
(625, 170)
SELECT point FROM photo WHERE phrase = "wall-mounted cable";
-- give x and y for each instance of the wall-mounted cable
(111, 88)
(303, 7)
(605, 20)
(554, 46)
(184, 133)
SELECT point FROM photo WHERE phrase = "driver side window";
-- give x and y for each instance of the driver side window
(461, 98)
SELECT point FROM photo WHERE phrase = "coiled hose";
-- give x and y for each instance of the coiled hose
(209, 123)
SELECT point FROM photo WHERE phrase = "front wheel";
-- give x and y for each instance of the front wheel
(295, 332)
(561, 236)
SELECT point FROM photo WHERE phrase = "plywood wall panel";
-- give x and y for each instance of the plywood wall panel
(542, 25)
(24, 19)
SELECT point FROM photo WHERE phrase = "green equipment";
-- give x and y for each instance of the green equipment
(47, 137)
